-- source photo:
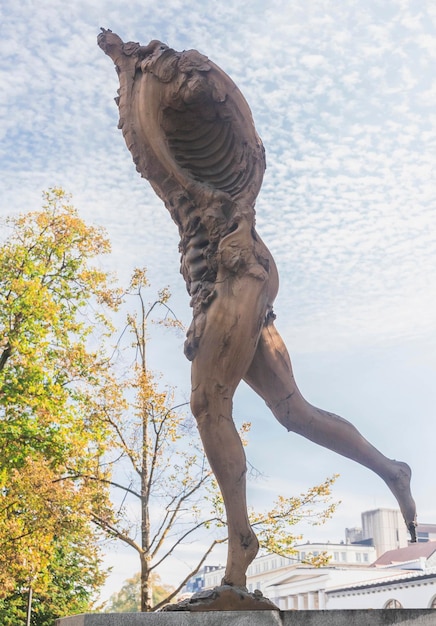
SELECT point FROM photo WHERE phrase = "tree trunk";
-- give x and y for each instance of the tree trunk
(146, 591)
(146, 596)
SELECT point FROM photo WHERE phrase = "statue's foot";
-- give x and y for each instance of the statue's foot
(399, 483)
(240, 556)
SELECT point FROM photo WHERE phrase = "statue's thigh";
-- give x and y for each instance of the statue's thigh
(234, 321)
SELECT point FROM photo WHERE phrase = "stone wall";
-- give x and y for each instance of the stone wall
(377, 617)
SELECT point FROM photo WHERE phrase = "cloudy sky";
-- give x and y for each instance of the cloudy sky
(343, 95)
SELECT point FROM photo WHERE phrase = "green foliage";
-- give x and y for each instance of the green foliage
(128, 598)
(66, 586)
(49, 299)
(54, 386)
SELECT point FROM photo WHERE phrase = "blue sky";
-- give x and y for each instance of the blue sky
(342, 94)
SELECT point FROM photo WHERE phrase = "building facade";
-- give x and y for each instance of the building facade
(267, 567)
(406, 591)
(374, 567)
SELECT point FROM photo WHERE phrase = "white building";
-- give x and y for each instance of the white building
(382, 528)
(269, 568)
(386, 529)
(403, 578)
(406, 591)
(306, 587)
(380, 570)
(409, 582)
(426, 532)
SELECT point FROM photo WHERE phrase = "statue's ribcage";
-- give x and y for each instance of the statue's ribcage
(212, 155)
(212, 143)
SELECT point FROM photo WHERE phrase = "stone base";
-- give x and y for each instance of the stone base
(364, 617)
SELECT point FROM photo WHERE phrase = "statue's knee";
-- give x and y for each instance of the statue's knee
(199, 403)
(211, 404)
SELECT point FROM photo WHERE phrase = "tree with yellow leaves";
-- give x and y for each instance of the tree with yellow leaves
(157, 446)
(52, 389)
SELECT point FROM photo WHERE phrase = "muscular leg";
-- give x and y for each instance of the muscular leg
(270, 375)
(228, 342)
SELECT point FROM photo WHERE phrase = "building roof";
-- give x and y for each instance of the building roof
(397, 578)
(340, 580)
(426, 528)
(412, 552)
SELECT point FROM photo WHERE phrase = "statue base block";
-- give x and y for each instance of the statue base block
(364, 617)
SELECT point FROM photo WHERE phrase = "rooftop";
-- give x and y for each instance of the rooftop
(412, 552)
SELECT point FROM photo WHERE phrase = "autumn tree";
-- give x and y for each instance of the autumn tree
(53, 384)
(49, 554)
(158, 444)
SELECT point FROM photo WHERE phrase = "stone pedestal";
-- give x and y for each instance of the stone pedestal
(375, 617)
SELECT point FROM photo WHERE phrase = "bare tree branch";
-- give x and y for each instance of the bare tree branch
(183, 537)
(111, 530)
(98, 480)
(176, 511)
(127, 449)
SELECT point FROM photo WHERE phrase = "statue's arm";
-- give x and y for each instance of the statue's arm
(122, 53)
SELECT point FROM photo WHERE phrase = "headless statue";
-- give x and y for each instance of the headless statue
(191, 135)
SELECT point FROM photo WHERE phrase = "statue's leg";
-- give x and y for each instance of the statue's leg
(227, 345)
(270, 375)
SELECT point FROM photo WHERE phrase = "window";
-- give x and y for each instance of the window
(393, 604)
(365, 557)
(343, 556)
(433, 603)
(336, 556)
(358, 557)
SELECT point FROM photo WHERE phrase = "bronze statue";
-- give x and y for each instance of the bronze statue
(191, 135)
